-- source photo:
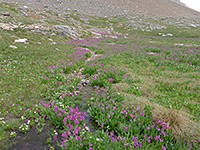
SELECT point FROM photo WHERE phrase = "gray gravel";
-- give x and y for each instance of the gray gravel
(165, 8)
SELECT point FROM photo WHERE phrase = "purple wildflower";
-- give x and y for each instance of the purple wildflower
(163, 148)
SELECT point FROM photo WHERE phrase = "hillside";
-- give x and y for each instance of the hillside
(158, 8)
(74, 81)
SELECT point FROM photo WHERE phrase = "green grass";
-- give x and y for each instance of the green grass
(22, 68)
(171, 87)
(171, 93)
(21, 71)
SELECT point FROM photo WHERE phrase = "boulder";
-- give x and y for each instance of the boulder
(13, 47)
(5, 14)
(20, 41)
(65, 30)
(192, 26)
(6, 26)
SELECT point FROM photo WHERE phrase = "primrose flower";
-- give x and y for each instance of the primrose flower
(125, 128)
(112, 113)
(138, 108)
(56, 109)
(67, 94)
(76, 131)
(132, 115)
(76, 122)
(163, 148)
(79, 129)
(92, 103)
(110, 80)
(59, 115)
(148, 140)
(142, 114)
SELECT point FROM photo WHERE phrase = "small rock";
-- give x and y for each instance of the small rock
(80, 86)
(37, 27)
(151, 53)
(64, 30)
(81, 69)
(77, 88)
(192, 25)
(20, 41)
(13, 47)
(10, 27)
(87, 81)
(5, 14)
(84, 82)
(77, 92)
(169, 34)
(179, 44)
(22, 11)
(95, 87)
(97, 34)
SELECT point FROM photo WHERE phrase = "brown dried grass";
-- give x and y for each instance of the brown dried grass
(180, 122)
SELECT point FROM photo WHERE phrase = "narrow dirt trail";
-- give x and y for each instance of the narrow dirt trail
(33, 140)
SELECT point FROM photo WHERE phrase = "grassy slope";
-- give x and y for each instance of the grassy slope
(171, 89)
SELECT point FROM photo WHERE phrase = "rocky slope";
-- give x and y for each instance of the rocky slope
(164, 8)
(75, 25)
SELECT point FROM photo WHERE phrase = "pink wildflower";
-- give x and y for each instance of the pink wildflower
(110, 80)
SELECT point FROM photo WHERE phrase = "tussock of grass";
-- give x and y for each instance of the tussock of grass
(181, 123)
